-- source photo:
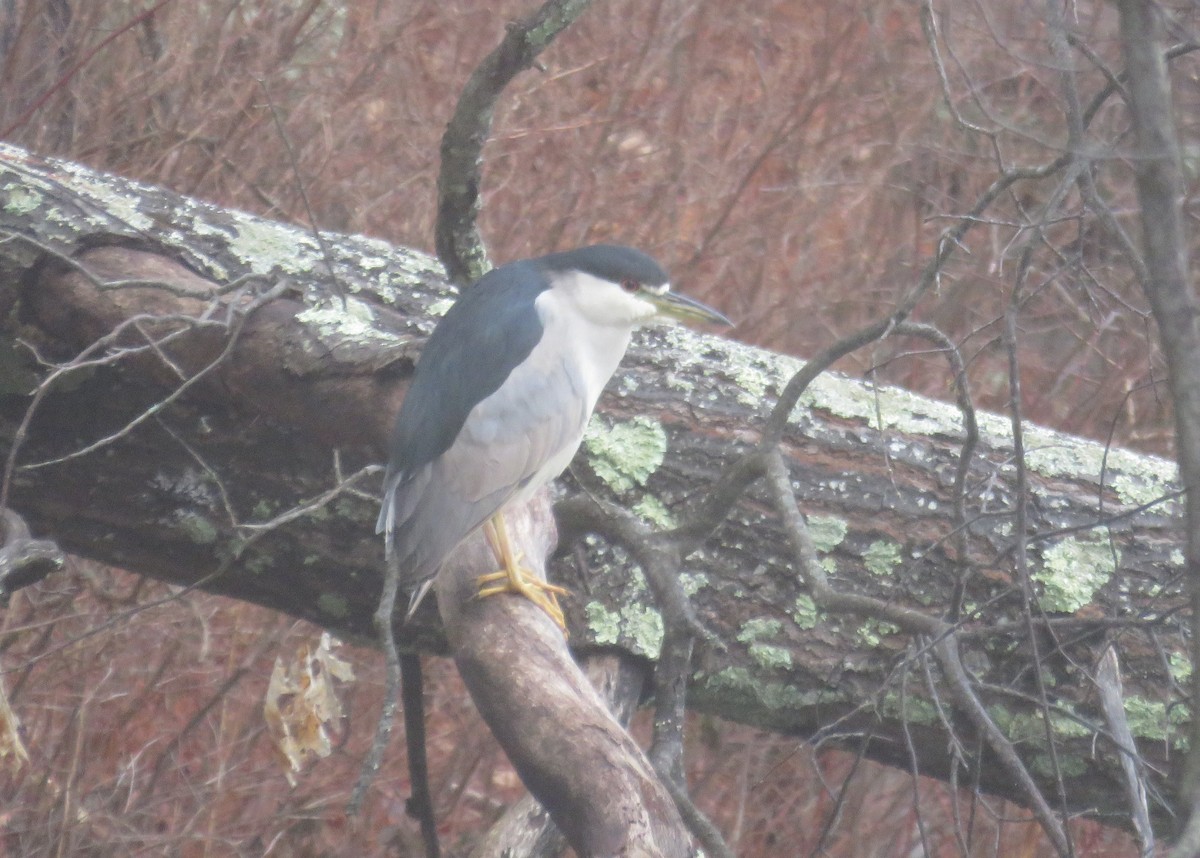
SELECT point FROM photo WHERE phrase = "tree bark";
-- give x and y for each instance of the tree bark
(544, 711)
(1161, 189)
(236, 372)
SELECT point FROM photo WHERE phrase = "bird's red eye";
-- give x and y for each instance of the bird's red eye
(630, 285)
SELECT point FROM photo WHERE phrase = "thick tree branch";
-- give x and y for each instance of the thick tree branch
(459, 244)
(544, 711)
(23, 560)
(1160, 188)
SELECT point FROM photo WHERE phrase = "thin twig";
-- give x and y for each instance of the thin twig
(421, 803)
(697, 823)
(326, 256)
(81, 362)
(174, 395)
(460, 246)
(383, 619)
(914, 766)
(66, 76)
(966, 454)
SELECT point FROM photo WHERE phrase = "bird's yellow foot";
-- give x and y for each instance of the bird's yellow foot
(512, 578)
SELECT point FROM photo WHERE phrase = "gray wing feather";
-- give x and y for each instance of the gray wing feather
(536, 419)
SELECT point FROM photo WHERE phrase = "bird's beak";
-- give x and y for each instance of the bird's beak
(685, 309)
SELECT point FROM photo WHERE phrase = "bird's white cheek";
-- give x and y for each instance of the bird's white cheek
(648, 315)
(630, 310)
(612, 306)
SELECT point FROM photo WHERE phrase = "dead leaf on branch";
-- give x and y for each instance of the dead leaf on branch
(10, 733)
(302, 705)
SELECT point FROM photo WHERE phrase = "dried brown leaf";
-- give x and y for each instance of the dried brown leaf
(302, 704)
(10, 733)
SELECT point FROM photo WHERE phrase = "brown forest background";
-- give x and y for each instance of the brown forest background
(791, 163)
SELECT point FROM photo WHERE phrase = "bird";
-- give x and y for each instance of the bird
(499, 400)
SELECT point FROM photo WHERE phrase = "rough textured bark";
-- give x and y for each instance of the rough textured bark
(187, 493)
(1161, 188)
(544, 711)
(525, 830)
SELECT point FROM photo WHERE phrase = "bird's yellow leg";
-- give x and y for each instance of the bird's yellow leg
(513, 579)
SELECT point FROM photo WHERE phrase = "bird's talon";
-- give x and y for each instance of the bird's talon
(542, 594)
(512, 578)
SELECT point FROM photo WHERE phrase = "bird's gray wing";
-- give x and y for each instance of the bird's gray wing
(491, 329)
(511, 442)
(526, 432)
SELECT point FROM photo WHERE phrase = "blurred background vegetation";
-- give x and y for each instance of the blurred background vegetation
(791, 163)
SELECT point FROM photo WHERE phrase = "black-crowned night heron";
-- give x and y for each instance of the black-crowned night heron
(500, 398)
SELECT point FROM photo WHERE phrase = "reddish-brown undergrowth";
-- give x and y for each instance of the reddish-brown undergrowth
(792, 163)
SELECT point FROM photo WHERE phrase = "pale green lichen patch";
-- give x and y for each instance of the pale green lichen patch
(640, 626)
(693, 582)
(1059, 455)
(20, 200)
(1153, 719)
(1180, 667)
(333, 605)
(1067, 766)
(624, 454)
(372, 263)
(805, 613)
(395, 278)
(770, 656)
(872, 632)
(197, 528)
(881, 406)
(354, 320)
(759, 628)
(604, 624)
(17, 378)
(913, 710)
(123, 207)
(755, 374)
(356, 509)
(1067, 727)
(1073, 569)
(881, 557)
(1135, 477)
(263, 509)
(644, 626)
(687, 344)
(265, 247)
(778, 696)
(637, 578)
(257, 564)
(653, 511)
(1137, 490)
(826, 531)
(1030, 727)
(440, 307)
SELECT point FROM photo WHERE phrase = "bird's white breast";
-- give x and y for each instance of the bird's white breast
(584, 354)
(588, 345)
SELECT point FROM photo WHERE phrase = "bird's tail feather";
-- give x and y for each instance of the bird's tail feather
(418, 594)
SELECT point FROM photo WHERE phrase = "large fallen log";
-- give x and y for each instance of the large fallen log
(200, 396)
